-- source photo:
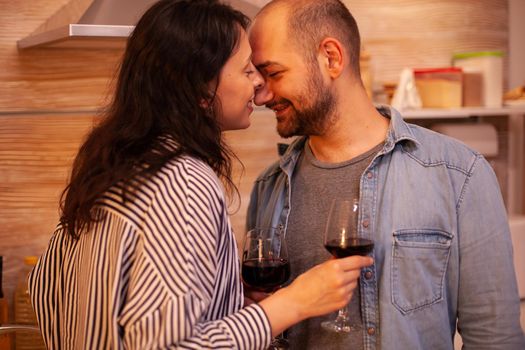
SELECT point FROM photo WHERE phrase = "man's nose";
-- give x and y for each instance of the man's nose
(263, 94)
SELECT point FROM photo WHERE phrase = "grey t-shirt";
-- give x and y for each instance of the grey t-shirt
(314, 185)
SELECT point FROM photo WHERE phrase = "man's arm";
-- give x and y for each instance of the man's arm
(488, 301)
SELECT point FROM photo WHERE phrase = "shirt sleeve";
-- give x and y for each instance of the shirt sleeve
(488, 301)
(174, 303)
(172, 326)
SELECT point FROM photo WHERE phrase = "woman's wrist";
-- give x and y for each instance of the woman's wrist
(282, 310)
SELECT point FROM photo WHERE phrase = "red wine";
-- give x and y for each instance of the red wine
(353, 246)
(265, 274)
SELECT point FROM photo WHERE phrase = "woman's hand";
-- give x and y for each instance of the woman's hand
(328, 286)
(322, 289)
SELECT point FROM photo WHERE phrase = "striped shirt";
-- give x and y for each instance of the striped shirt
(160, 270)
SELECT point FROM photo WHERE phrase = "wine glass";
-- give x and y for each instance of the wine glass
(265, 265)
(343, 238)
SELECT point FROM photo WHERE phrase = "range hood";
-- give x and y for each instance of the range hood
(100, 24)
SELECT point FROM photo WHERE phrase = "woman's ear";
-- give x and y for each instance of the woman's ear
(205, 104)
(208, 96)
(333, 56)
(206, 101)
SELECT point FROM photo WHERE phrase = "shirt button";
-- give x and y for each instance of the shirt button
(368, 275)
(369, 175)
(366, 223)
(371, 331)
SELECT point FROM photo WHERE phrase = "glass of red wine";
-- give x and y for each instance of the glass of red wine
(265, 265)
(343, 238)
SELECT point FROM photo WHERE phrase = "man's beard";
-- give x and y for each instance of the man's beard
(313, 118)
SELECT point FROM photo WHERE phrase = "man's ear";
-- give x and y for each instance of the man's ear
(332, 55)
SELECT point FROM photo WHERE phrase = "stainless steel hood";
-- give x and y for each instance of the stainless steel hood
(100, 24)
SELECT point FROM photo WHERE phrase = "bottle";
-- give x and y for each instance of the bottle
(5, 339)
(24, 313)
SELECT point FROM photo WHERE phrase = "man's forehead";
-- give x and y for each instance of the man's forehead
(267, 35)
(266, 48)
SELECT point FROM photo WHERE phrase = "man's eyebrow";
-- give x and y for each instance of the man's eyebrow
(266, 64)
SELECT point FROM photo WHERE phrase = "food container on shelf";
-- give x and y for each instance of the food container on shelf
(488, 65)
(439, 87)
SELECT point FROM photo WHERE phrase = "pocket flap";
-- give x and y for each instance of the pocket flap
(423, 237)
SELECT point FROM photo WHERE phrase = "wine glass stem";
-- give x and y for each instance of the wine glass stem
(342, 317)
(279, 342)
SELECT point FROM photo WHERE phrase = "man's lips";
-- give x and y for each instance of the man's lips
(278, 108)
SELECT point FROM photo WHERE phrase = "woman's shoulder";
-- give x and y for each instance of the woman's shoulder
(187, 176)
(186, 170)
(177, 179)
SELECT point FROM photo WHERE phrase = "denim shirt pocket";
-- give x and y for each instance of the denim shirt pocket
(419, 262)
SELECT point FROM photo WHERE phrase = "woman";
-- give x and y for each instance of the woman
(144, 256)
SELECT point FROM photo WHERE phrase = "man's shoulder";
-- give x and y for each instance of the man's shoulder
(433, 148)
(274, 169)
(288, 154)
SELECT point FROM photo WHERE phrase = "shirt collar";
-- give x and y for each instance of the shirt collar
(398, 131)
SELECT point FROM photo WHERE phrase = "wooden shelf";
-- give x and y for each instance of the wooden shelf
(466, 112)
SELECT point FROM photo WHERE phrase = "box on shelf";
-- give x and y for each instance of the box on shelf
(439, 87)
(487, 65)
(473, 95)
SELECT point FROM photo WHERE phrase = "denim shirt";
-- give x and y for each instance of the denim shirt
(443, 253)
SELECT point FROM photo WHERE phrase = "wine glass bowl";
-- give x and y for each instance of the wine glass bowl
(350, 247)
(265, 265)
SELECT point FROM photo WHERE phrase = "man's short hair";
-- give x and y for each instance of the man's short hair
(310, 21)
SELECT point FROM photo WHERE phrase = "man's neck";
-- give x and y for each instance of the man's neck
(359, 128)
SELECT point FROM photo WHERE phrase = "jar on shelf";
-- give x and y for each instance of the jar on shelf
(24, 314)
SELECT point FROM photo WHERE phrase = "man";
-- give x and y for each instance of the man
(443, 255)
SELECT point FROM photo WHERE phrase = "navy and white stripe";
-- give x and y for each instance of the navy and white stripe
(158, 271)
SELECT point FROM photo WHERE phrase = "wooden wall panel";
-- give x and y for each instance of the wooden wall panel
(36, 152)
(47, 78)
